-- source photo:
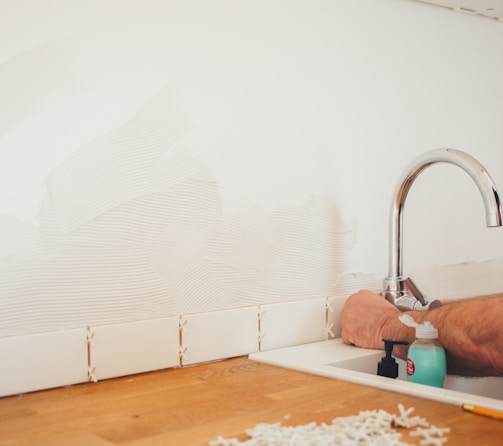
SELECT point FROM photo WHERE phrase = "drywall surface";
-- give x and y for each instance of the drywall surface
(164, 157)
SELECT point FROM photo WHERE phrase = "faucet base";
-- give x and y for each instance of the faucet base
(402, 292)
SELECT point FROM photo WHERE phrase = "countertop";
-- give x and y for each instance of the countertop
(193, 405)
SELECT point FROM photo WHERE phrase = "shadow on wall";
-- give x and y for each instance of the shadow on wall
(131, 227)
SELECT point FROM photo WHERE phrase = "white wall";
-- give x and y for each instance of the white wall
(159, 157)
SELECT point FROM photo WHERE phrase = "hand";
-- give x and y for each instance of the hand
(363, 318)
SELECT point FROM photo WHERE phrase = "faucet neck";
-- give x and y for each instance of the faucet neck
(471, 166)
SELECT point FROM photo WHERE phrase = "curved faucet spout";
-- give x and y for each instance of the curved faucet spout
(398, 289)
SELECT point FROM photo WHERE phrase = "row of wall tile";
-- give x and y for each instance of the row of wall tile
(60, 358)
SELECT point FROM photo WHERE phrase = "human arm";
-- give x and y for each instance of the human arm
(470, 330)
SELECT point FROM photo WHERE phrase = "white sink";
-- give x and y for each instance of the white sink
(334, 359)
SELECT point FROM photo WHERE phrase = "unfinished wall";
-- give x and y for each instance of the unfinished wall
(165, 158)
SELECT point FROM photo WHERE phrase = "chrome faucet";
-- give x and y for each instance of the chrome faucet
(400, 290)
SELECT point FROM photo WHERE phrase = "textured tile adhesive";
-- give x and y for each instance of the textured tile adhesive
(132, 226)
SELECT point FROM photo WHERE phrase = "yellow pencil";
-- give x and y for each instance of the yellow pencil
(482, 411)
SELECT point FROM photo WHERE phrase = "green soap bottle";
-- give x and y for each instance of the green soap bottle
(426, 357)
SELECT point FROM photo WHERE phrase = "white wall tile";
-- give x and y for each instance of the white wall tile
(218, 335)
(125, 349)
(42, 361)
(334, 307)
(292, 323)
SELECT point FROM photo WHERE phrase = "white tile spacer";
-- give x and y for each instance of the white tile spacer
(91, 374)
(90, 337)
(91, 370)
(329, 302)
(329, 332)
(183, 354)
(183, 324)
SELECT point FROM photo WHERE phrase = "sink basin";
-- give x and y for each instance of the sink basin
(334, 359)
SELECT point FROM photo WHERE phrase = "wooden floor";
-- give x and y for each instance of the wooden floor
(192, 406)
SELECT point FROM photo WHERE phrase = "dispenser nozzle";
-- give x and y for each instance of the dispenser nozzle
(388, 367)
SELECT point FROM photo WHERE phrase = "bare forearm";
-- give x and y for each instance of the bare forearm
(470, 331)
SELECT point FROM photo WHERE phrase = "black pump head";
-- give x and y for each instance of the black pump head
(388, 366)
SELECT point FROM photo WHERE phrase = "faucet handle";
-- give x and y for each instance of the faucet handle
(406, 303)
(411, 287)
(404, 294)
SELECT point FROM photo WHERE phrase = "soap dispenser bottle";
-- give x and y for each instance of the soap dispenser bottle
(426, 362)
